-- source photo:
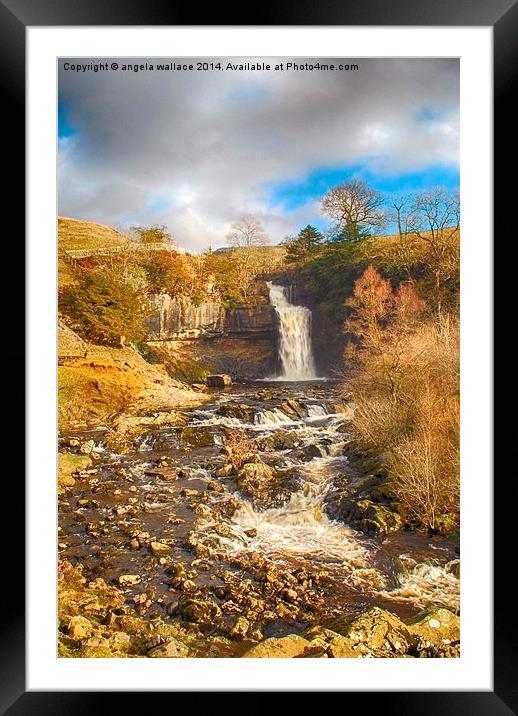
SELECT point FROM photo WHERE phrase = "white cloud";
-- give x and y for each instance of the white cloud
(209, 142)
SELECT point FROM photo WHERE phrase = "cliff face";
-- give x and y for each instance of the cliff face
(177, 319)
(257, 319)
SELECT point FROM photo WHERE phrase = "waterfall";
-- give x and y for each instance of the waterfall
(295, 337)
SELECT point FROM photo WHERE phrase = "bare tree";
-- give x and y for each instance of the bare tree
(355, 207)
(247, 233)
(435, 215)
(402, 215)
(435, 219)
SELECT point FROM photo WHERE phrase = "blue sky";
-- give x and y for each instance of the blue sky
(64, 128)
(302, 191)
(197, 151)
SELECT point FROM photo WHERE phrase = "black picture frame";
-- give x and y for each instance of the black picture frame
(15, 17)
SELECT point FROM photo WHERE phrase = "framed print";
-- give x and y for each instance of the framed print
(259, 353)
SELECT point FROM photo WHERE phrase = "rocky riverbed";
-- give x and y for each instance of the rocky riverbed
(243, 528)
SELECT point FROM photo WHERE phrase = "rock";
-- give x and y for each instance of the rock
(160, 549)
(264, 394)
(72, 442)
(225, 470)
(128, 580)
(186, 492)
(375, 631)
(215, 486)
(240, 628)
(453, 567)
(369, 517)
(202, 511)
(177, 572)
(120, 640)
(86, 447)
(285, 648)
(279, 440)
(200, 611)
(197, 436)
(221, 380)
(172, 649)
(169, 474)
(187, 585)
(128, 428)
(340, 648)
(241, 411)
(293, 408)
(79, 627)
(309, 452)
(435, 626)
(258, 480)
(224, 530)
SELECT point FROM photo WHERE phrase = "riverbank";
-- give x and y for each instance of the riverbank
(97, 382)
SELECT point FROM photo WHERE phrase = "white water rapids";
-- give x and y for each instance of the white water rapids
(300, 530)
(294, 337)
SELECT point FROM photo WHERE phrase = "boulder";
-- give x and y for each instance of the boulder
(221, 380)
(200, 611)
(86, 447)
(258, 480)
(285, 648)
(79, 627)
(309, 452)
(340, 648)
(240, 628)
(197, 436)
(129, 580)
(159, 549)
(169, 474)
(377, 629)
(241, 411)
(370, 517)
(172, 649)
(279, 440)
(293, 408)
(435, 626)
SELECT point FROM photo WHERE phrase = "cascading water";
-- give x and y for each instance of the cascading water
(294, 337)
(287, 524)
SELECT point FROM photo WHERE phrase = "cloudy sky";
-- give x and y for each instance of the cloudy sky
(196, 150)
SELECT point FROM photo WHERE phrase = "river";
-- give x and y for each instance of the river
(171, 489)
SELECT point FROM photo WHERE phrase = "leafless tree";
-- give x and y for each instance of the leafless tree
(402, 215)
(247, 233)
(435, 215)
(435, 219)
(355, 208)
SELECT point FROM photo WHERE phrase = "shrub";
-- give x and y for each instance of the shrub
(406, 387)
(105, 308)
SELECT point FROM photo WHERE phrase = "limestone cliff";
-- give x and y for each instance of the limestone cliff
(177, 319)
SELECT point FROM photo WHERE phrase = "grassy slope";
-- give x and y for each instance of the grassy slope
(106, 380)
(77, 234)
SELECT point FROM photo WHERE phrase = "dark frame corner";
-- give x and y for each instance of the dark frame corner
(15, 16)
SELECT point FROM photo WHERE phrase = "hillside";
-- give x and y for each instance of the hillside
(77, 234)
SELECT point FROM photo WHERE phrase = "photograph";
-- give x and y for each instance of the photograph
(258, 357)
